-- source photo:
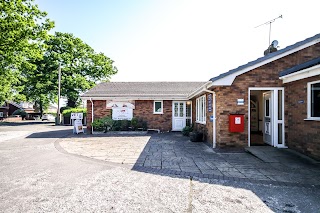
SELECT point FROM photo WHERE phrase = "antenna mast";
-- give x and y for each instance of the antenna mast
(269, 22)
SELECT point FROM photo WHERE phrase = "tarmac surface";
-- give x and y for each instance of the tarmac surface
(38, 176)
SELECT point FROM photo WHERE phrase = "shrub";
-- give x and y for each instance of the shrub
(67, 112)
(116, 125)
(124, 124)
(134, 123)
(98, 125)
(186, 130)
(105, 124)
(20, 112)
(64, 108)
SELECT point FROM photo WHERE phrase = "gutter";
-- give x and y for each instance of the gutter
(214, 141)
(91, 114)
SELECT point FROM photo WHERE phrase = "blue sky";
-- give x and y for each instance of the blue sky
(182, 40)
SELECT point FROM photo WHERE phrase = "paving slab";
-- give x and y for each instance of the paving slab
(173, 152)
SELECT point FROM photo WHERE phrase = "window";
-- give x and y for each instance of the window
(158, 107)
(314, 100)
(201, 109)
(1, 114)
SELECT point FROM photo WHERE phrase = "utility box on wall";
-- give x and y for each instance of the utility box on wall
(236, 123)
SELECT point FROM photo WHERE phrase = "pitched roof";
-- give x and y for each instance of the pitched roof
(266, 57)
(299, 67)
(143, 90)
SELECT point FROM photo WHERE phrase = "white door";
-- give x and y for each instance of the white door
(178, 115)
(267, 118)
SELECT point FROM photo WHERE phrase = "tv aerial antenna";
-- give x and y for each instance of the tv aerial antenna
(269, 22)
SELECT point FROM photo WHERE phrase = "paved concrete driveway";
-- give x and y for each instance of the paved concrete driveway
(36, 177)
(172, 153)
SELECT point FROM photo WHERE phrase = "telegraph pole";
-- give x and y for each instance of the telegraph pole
(58, 119)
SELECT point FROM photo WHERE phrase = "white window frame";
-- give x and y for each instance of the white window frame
(154, 107)
(309, 102)
(201, 109)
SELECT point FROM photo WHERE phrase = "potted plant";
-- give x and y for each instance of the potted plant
(196, 136)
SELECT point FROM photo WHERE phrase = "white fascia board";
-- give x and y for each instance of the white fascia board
(228, 80)
(136, 98)
(200, 90)
(306, 73)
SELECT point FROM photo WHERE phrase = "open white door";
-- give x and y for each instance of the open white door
(268, 118)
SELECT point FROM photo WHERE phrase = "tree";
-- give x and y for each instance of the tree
(22, 32)
(39, 85)
(82, 67)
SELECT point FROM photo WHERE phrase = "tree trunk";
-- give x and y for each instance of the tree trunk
(41, 107)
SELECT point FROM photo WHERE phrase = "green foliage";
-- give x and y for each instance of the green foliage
(107, 123)
(81, 66)
(67, 112)
(186, 130)
(20, 112)
(134, 123)
(64, 108)
(22, 32)
(103, 124)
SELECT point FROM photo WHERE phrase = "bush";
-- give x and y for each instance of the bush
(107, 123)
(196, 136)
(134, 123)
(186, 130)
(20, 112)
(64, 108)
(67, 112)
(101, 124)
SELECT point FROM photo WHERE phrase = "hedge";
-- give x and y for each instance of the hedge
(67, 112)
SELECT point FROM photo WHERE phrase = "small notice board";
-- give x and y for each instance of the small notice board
(77, 124)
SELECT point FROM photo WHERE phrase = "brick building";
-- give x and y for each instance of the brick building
(276, 111)
(275, 100)
(153, 102)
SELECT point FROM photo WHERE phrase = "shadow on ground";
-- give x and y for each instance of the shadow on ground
(25, 123)
(51, 134)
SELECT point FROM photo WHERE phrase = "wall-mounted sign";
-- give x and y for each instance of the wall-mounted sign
(267, 128)
(77, 115)
(115, 104)
(300, 101)
(240, 101)
(122, 113)
(209, 102)
(211, 118)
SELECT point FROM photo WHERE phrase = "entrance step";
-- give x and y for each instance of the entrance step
(265, 153)
(270, 154)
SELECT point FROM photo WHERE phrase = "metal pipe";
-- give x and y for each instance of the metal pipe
(58, 120)
(91, 115)
(214, 141)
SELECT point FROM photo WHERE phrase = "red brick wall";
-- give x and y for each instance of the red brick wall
(303, 136)
(99, 111)
(264, 76)
(144, 110)
(205, 128)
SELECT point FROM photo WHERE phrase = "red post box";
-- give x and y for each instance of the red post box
(236, 123)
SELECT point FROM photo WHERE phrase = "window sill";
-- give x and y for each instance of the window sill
(158, 113)
(199, 122)
(312, 119)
